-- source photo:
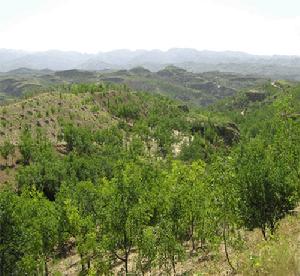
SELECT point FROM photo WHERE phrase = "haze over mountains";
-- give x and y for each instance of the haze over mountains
(277, 66)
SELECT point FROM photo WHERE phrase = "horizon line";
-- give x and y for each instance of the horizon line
(147, 50)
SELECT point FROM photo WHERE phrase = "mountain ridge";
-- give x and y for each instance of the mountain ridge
(274, 66)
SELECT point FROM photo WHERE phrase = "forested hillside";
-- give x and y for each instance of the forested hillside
(97, 179)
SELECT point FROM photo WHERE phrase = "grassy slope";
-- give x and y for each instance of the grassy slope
(46, 111)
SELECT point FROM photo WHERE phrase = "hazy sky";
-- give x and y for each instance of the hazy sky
(254, 26)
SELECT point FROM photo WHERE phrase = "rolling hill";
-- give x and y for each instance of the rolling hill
(193, 88)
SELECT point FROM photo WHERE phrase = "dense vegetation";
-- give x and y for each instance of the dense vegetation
(158, 185)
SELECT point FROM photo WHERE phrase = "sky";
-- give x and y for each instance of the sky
(255, 26)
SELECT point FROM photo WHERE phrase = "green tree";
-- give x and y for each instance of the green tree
(188, 201)
(224, 205)
(268, 189)
(79, 139)
(128, 208)
(28, 233)
(26, 146)
(6, 150)
(46, 176)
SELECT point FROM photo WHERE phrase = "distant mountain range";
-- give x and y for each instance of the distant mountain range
(286, 67)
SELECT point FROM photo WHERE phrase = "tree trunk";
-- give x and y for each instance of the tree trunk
(46, 268)
(89, 263)
(192, 236)
(1, 264)
(272, 228)
(82, 264)
(225, 248)
(126, 262)
(202, 242)
(174, 265)
(263, 231)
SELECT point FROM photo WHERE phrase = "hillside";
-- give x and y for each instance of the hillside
(97, 179)
(47, 111)
(193, 88)
(103, 107)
